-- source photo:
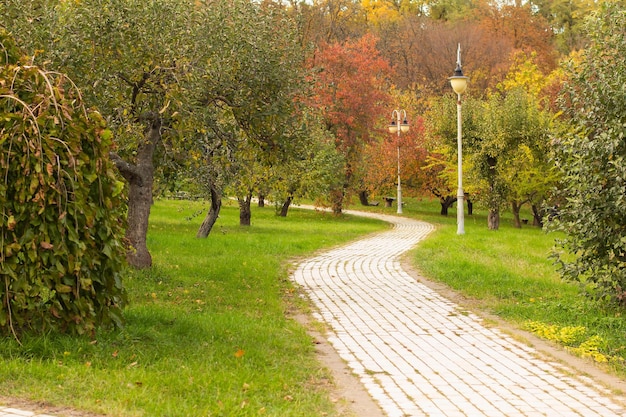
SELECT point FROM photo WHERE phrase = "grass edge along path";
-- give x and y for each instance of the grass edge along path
(208, 330)
(507, 273)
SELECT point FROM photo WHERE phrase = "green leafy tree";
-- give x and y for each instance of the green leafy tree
(248, 94)
(61, 251)
(592, 157)
(128, 58)
(312, 172)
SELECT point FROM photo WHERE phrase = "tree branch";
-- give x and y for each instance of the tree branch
(128, 170)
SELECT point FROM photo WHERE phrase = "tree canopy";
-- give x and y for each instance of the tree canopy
(591, 153)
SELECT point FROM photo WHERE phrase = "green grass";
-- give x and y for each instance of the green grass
(207, 328)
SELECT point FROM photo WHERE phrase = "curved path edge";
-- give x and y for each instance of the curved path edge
(419, 354)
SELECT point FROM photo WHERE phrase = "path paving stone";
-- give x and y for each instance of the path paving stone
(14, 412)
(419, 354)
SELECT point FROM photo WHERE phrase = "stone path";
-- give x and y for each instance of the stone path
(419, 354)
(14, 412)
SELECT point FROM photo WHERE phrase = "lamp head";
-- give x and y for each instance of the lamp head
(458, 81)
(393, 126)
(404, 126)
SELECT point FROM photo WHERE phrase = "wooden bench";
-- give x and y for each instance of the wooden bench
(389, 201)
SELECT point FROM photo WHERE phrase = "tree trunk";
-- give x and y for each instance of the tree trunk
(515, 209)
(470, 205)
(245, 214)
(261, 200)
(285, 206)
(363, 198)
(140, 178)
(213, 214)
(493, 219)
(336, 199)
(537, 216)
(446, 202)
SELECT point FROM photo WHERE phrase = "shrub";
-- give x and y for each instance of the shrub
(591, 153)
(61, 256)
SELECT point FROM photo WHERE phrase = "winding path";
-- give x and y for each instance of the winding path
(419, 354)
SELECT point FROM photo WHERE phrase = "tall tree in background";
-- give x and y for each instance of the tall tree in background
(350, 91)
(379, 175)
(592, 157)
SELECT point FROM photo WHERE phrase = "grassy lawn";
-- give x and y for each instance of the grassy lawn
(208, 331)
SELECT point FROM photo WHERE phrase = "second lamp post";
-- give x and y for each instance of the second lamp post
(399, 124)
(459, 84)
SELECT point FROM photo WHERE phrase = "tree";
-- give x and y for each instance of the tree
(128, 58)
(591, 154)
(422, 52)
(312, 172)
(528, 31)
(506, 124)
(381, 170)
(530, 172)
(566, 18)
(494, 131)
(61, 229)
(351, 95)
(248, 94)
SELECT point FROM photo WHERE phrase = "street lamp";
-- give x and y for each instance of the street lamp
(459, 85)
(399, 125)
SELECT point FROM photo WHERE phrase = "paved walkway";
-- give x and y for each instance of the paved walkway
(419, 354)
(14, 412)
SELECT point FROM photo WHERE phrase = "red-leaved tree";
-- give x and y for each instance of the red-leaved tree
(351, 93)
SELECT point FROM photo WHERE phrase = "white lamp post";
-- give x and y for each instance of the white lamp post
(459, 85)
(399, 125)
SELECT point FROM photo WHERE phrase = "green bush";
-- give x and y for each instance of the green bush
(591, 153)
(61, 256)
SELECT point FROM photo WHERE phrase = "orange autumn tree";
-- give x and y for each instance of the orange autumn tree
(380, 174)
(350, 91)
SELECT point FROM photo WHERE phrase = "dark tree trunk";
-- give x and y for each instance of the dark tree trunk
(213, 214)
(446, 202)
(336, 200)
(285, 207)
(515, 208)
(363, 198)
(470, 205)
(245, 214)
(261, 200)
(537, 215)
(140, 178)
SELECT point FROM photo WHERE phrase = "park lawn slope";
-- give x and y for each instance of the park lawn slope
(208, 330)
